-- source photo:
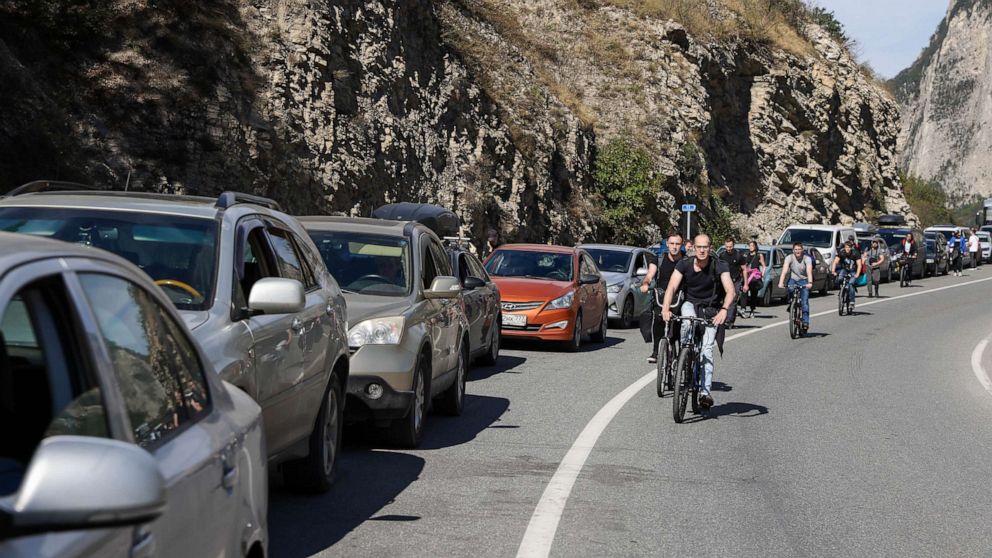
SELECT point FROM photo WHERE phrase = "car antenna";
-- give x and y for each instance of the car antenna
(128, 183)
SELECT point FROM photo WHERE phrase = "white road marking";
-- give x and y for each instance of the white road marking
(543, 526)
(976, 365)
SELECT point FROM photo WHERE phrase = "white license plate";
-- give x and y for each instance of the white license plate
(518, 320)
(929, 260)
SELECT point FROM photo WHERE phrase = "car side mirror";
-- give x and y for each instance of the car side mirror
(473, 283)
(641, 272)
(276, 295)
(81, 482)
(589, 279)
(443, 287)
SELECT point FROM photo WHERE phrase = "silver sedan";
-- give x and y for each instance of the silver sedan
(127, 442)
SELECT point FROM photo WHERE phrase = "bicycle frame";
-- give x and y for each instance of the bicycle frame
(690, 384)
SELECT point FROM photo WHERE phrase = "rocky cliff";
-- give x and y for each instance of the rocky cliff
(501, 109)
(946, 97)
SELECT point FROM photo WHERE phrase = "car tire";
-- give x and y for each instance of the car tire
(452, 400)
(766, 299)
(627, 314)
(600, 335)
(492, 354)
(315, 472)
(576, 343)
(408, 431)
(825, 291)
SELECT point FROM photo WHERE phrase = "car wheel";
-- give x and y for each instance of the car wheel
(627, 316)
(824, 291)
(576, 342)
(315, 472)
(600, 335)
(492, 355)
(452, 401)
(766, 299)
(409, 430)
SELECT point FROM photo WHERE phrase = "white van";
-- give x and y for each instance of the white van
(825, 237)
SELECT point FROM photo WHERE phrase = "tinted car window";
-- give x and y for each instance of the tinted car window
(611, 260)
(366, 263)
(475, 268)
(177, 252)
(525, 263)
(286, 256)
(817, 238)
(155, 365)
(46, 388)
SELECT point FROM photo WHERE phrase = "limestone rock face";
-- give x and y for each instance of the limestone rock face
(947, 104)
(495, 108)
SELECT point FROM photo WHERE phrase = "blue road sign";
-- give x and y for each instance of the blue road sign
(687, 207)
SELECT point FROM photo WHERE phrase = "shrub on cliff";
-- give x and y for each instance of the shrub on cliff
(928, 200)
(625, 177)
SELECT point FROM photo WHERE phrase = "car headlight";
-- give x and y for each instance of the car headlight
(378, 331)
(561, 302)
(614, 288)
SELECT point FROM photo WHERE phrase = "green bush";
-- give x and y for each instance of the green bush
(717, 222)
(928, 200)
(624, 175)
(827, 20)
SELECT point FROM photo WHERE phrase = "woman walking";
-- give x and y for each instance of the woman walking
(753, 274)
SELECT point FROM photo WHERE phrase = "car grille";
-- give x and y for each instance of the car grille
(519, 306)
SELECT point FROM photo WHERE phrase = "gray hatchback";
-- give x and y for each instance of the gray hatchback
(118, 438)
(249, 284)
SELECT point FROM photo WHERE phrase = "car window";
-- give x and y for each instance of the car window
(441, 261)
(154, 362)
(475, 268)
(809, 237)
(610, 260)
(287, 257)
(178, 252)
(309, 273)
(366, 263)
(429, 266)
(46, 387)
(255, 262)
(464, 271)
(587, 266)
(531, 264)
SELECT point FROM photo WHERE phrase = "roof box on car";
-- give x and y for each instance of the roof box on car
(438, 219)
(891, 220)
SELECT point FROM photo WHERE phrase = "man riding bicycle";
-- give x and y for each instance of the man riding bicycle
(707, 287)
(849, 262)
(664, 269)
(798, 268)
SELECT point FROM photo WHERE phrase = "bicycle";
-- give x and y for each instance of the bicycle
(796, 313)
(668, 348)
(905, 271)
(845, 305)
(688, 368)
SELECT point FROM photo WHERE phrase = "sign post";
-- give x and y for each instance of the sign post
(688, 208)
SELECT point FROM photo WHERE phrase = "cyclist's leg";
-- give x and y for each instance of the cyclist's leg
(804, 297)
(688, 311)
(706, 353)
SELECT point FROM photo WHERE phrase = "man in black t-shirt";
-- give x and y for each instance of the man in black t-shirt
(737, 264)
(707, 286)
(667, 258)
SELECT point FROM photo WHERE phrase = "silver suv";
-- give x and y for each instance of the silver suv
(251, 287)
(117, 437)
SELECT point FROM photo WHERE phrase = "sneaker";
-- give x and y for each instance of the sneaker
(652, 359)
(805, 328)
(705, 401)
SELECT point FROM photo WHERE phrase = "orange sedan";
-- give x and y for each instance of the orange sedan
(551, 293)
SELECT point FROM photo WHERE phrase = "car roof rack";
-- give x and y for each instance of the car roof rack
(41, 185)
(459, 241)
(228, 199)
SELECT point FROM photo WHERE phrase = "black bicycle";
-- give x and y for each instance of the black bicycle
(844, 303)
(905, 271)
(689, 367)
(668, 350)
(796, 313)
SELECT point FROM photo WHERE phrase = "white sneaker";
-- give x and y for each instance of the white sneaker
(652, 360)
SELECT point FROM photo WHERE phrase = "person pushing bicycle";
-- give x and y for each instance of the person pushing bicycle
(705, 280)
(798, 269)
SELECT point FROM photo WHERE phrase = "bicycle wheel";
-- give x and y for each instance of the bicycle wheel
(663, 363)
(683, 384)
(841, 303)
(793, 325)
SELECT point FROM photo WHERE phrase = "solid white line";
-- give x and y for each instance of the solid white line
(540, 534)
(976, 365)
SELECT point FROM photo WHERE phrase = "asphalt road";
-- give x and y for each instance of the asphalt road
(871, 437)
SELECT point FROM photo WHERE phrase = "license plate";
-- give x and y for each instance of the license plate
(929, 260)
(518, 320)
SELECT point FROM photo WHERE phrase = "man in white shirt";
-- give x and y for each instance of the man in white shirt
(973, 248)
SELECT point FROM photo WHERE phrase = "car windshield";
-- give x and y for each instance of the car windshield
(179, 253)
(535, 265)
(611, 260)
(809, 237)
(983, 236)
(893, 237)
(369, 264)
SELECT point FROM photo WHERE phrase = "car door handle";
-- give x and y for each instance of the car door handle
(230, 478)
(144, 544)
(297, 325)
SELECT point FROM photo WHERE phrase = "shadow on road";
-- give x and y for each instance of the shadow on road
(480, 413)
(504, 364)
(815, 334)
(367, 481)
(536, 345)
(735, 409)
(720, 386)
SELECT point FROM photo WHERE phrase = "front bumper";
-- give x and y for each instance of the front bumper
(392, 367)
(612, 309)
(539, 325)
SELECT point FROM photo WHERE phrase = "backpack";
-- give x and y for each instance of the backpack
(812, 260)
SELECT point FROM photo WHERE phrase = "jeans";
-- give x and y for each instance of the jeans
(803, 296)
(851, 292)
(706, 351)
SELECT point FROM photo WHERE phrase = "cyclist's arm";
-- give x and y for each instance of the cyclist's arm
(809, 275)
(785, 269)
(860, 268)
(646, 282)
(673, 285)
(833, 265)
(728, 298)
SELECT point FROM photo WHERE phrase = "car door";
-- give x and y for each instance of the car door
(489, 306)
(49, 386)
(450, 308)
(593, 296)
(778, 261)
(474, 300)
(436, 316)
(641, 259)
(161, 383)
(313, 328)
(277, 348)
